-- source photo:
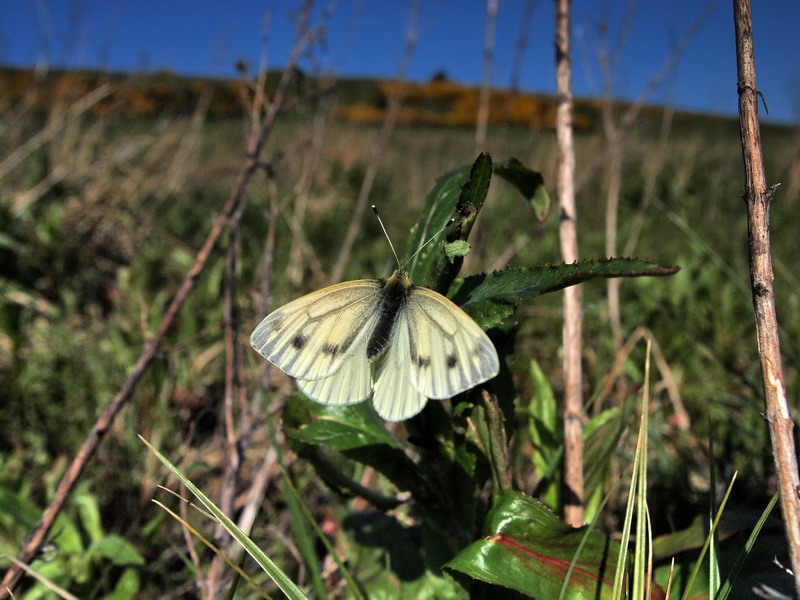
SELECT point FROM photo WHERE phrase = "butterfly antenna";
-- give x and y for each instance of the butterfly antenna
(377, 216)
(430, 239)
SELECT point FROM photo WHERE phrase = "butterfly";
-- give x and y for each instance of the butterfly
(400, 343)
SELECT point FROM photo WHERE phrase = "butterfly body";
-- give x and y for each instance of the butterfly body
(393, 297)
(401, 343)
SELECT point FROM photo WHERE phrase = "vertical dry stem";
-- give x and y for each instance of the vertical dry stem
(565, 184)
(258, 136)
(379, 150)
(486, 80)
(757, 196)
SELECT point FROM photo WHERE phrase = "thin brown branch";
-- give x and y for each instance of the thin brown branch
(757, 196)
(484, 101)
(231, 454)
(124, 395)
(260, 133)
(523, 36)
(680, 417)
(565, 185)
(632, 112)
(379, 149)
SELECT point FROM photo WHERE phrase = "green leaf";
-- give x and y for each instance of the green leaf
(529, 550)
(545, 439)
(128, 586)
(459, 248)
(529, 183)
(439, 206)
(90, 514)
(342, 427)
(460, 195)
(118, 550)
(489, 298)
(359, 434)
(444, 269)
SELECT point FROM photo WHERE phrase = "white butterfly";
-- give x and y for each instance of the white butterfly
(399, 342)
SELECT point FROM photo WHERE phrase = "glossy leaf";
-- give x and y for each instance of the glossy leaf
(444, 268)
(528, 549)
(359, 434)
(529, 183)
(489, 298)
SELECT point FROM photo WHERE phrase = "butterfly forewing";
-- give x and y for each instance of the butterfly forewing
(309, 338)
(449, 352)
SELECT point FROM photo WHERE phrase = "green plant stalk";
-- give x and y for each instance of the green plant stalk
(625, 537)
(491, 436)
(644, 546)
(270, 568)
(727, 585)
(351, 582)
(239, 571)
(709, 538)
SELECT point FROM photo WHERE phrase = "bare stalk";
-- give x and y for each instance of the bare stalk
(259, 134)
(608, 62)
(565, 186)
(124, 395)
(519, 49)
(379, 149)
(633, 110)
(486, 80)
(757, 196)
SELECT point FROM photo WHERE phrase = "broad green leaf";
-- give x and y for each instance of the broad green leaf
(358, 433)
(529, 183)
(90, 514)
(444, 269)
(439, 206)
(489, 298)
(528, 549)
(128, 586)
(344, 431)
(118, 550)
(543, 431)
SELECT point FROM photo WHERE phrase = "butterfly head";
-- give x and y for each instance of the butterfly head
(399, 279)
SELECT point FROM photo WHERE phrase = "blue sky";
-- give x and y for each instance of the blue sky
(367, 37)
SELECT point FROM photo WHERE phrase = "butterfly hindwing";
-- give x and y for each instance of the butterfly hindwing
(311, 338)
(350, 384)
(449, 352)
(394, 396)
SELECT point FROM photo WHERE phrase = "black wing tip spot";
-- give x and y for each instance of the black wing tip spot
(452, 361)
(299, 342)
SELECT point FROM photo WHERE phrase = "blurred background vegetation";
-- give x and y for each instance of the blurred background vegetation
(109, 184)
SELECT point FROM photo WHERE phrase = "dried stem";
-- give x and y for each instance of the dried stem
(486, 80)
(565, 184)
(232, 454)
(107, 418)
(757, 196)
(632, 112)
(260, 132)
(379, 149)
